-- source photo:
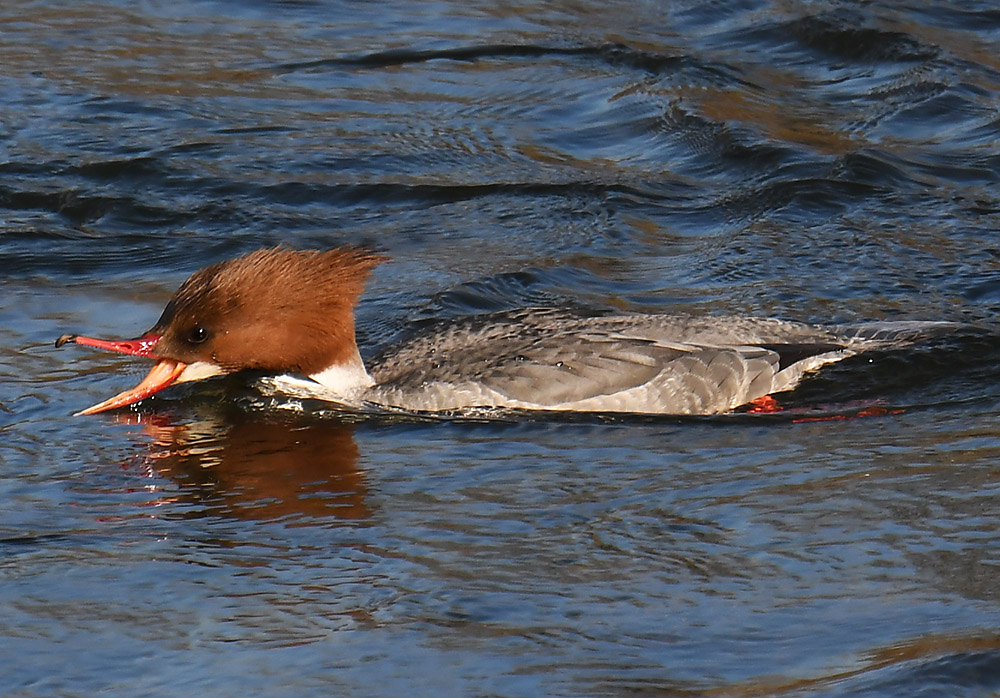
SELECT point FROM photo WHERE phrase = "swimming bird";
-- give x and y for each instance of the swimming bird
(291, 314)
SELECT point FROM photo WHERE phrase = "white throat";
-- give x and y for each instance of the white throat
(343, 383)
(347, 380)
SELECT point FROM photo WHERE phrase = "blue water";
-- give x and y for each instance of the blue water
(823, 162)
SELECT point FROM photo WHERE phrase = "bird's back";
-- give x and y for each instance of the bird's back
(557, 360)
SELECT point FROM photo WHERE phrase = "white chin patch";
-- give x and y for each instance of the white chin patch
(197, 371)
(346, 380)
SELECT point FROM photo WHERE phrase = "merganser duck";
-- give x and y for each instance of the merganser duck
(291, 313)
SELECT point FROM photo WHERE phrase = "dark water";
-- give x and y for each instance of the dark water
(824, 161)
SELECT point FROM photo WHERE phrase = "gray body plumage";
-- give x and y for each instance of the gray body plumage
(659, 364)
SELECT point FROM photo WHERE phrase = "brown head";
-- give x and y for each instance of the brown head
(278, 310)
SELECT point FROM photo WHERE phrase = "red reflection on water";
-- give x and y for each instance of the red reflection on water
(256, 468)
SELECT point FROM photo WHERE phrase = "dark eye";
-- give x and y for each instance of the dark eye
(198, 335)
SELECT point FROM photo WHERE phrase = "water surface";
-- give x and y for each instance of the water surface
(824, 162)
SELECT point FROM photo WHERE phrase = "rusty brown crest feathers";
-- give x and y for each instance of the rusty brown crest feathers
(272, 309)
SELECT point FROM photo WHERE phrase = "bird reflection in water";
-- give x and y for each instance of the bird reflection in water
(250, 467)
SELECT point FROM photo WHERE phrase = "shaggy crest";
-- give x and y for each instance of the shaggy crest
(236, 308)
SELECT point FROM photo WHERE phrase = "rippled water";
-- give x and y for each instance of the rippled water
(822, 161)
